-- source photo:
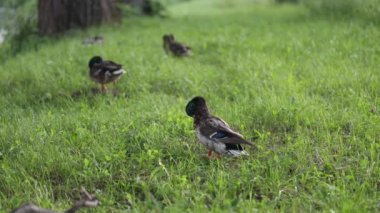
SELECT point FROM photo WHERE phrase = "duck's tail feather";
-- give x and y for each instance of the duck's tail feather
(236, 153)
(118, 72)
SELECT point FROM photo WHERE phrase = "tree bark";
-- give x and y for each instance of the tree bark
(57, 16)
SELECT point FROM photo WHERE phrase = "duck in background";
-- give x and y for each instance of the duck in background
(104, 72)
(87, 201)
(174, 47)
(93, 40)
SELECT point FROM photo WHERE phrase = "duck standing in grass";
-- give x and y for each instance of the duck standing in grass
(213, 132)
(176, 48)
(104, 72)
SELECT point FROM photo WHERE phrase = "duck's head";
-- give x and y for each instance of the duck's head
(94, 60)
(98, 38)
(197, 104)
(168, 38)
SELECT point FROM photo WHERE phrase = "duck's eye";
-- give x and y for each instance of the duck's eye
(190, 108)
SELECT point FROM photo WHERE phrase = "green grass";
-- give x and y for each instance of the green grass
(308, 87)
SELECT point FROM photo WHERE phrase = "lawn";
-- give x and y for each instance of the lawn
(307, 87)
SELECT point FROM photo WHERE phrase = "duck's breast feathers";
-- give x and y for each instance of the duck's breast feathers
(218, 130)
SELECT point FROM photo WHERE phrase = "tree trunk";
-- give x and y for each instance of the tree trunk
(56, 16)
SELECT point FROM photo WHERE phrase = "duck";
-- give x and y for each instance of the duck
(213, 132)
(87, 201)
(93, 40)
(174, 47)
(104, 72)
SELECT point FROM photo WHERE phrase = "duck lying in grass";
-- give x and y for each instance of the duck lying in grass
(87, 201)
(176, 48)
(213, 132)
(93, 40)
(104, 72)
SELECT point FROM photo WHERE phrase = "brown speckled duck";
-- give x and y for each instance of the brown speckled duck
(213, 132)
(174, 47)
(93, 40)
(104, 72)
(87, 201)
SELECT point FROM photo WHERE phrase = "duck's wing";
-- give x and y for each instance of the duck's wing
(179, 49)
(112, 67)
(107, 68)
(218, 130)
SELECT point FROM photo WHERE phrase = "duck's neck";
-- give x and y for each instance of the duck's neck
(201, 113)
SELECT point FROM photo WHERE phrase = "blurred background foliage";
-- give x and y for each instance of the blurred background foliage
(363, 9)
(19, 17)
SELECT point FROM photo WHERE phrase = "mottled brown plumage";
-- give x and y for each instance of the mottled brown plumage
(174, 47)
(87, 201)
(213, 132)
(104, 72)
